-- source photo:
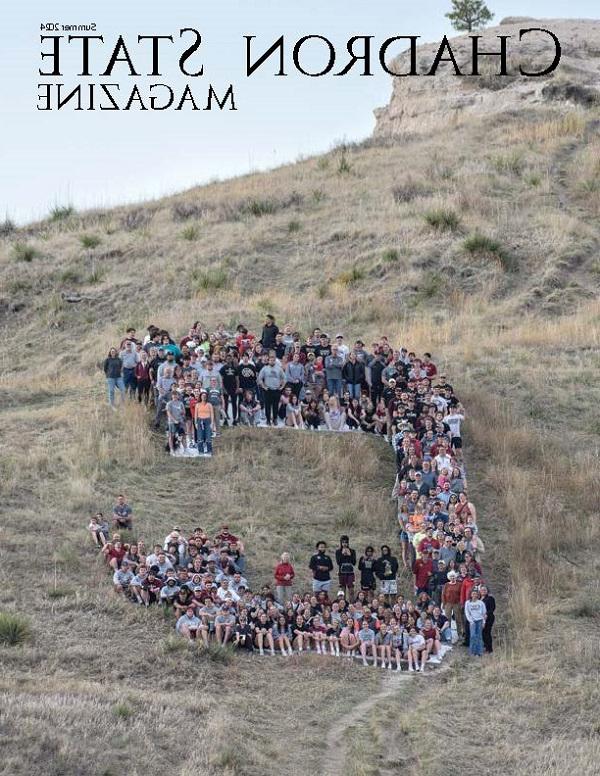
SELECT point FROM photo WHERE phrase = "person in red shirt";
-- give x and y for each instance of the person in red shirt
(422, 569)
(432, 640)
(114, 552)
(284, 578)
(225, 536)
(428, 365)
(244, 340)
(451, 601)
(428, 543)
(468, 584)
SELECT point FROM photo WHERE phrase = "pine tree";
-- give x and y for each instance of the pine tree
(468, 15)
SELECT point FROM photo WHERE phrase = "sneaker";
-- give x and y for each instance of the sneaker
(365, 662)
(411, 669)
(208, 455)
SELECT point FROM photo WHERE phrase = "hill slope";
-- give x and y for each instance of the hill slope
(480, 245)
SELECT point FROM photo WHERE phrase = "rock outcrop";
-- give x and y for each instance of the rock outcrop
(422, 103)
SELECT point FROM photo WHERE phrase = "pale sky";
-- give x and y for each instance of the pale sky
(96, 158)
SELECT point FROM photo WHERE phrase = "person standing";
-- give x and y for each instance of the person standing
(386, 570)
(284, 578)
(113, 370)
(345, 557)
(333, 371)
(451, 602)
(176, 423)
(204, 419)
(271, 379)
(353, 373)
(294, 374)
(475, 613)
(130, 358)
(321, 566)
(490, 608)
(231, 388)
(269, 333)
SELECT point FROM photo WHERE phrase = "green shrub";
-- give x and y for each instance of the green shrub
(14, 629)
(351, 276)
(294, 226)
(210, 279)
(95, 276)
(24, 252)
(259, 207)
(534, 179)
(431, 285)
(90, 240)
(7, 227)
(391, 255)
(344, 167)
(318, 195)
(478, 243)
(509, 164)
(61, 212)
(122, 711)
(443, 219)
(191, 233)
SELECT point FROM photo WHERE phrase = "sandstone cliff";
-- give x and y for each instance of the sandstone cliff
(423, 103)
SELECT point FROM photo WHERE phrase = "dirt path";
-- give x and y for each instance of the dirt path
(334, 757)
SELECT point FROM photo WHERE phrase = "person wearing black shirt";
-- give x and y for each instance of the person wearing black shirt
(377, 367)
(366, 566)
(386, 569)
(247, 372)
(345, 557)
(269, 332)
(323, 348)
(231, 387)
(279, 347)
(490, 607)
(321, 566)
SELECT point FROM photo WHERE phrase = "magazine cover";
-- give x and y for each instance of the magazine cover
(299, 385)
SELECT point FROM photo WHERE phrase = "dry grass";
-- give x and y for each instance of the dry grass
(529, 380)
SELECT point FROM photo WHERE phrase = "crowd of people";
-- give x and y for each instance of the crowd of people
(205, 381)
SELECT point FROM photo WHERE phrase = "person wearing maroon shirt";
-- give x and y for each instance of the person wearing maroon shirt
(284, 577)
(428, 542)
(428, 365)
(225, 535)
(432, 640)
(422, 569)
(114, 554)
(468, 584)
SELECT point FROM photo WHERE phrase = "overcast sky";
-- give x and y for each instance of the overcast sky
(101, 158)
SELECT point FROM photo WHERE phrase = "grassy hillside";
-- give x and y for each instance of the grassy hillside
(479, 244)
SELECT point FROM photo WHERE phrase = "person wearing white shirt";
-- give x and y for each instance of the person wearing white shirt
(476, 614)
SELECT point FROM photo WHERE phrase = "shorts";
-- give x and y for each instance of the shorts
(389, 586)
(456, 442)
(404, 537)
(175, 428)
(346, 580)
(368, 588)
(321, 586)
